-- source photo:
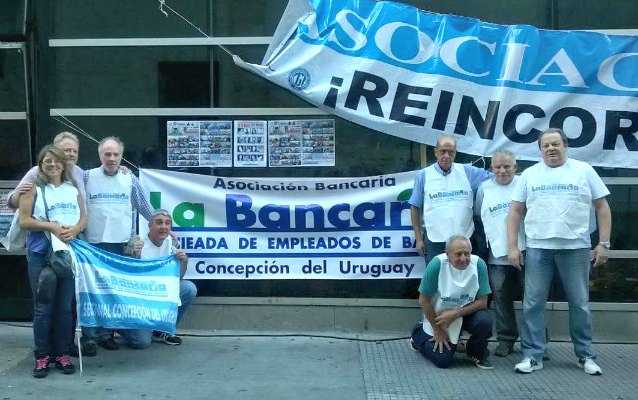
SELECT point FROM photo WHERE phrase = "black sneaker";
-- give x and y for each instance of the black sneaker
(64, 364)
(41, 369)
(166, 338)
(482, 363)
(109, 344)
(89, 349)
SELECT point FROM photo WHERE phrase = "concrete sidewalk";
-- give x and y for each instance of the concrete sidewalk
(298, 367)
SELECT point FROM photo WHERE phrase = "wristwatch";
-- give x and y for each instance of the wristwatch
(606, 245)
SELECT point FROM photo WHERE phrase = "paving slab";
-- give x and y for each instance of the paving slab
(316, 365)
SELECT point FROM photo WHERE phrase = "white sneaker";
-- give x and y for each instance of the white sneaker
(590, 366)
(528, 366)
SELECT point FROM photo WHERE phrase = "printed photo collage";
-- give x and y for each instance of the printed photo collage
(279, 143)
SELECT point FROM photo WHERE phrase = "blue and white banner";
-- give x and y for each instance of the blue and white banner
(126, 293)
(278, 228)
(414, 74)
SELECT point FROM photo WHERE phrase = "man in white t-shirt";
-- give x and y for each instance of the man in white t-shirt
(453, 297)
(111, 198)
(442, 199)
(159, 243)
(492, 202)
(556, 197)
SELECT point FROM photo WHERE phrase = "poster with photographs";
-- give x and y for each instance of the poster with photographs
(295, 143)
(199, 143)
(250, 144)
(6, 213)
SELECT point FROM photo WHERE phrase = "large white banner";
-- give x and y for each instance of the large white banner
(413, 74)
(274, 228)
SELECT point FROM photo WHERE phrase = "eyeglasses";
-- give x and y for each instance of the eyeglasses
(49, 161)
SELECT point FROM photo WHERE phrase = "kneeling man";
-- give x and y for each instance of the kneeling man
(158, 243)
(453, 297)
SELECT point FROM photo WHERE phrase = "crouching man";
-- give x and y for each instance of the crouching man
(453, 297)
(158, 243)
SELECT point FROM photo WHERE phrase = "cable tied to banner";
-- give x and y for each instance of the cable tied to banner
(163, 5)
(74, 127)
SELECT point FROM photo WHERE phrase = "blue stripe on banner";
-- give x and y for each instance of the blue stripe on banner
(294, 230)
(302, 255)
(121, 312)
(474, 51)
(162, 266)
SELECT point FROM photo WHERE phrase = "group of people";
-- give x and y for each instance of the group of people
(535, 224)
(58, 201)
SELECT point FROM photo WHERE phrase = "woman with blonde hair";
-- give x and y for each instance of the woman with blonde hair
(52, 209)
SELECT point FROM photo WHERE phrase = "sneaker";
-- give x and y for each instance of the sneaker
(528, 366)
(482, 363)
(41, 369)
(590, 366)
(64, 364)
(89, 349)
(413, 346)
(109, 344)
(167, 338)
(504, 349)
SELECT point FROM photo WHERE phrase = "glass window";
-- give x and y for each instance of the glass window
(172, 76)
(231, 19)
(14, 154)
(624, 212)
(616, 282)
(12, 88)
(126, 19)
(530, 12)
(236, 87)
(593, 14)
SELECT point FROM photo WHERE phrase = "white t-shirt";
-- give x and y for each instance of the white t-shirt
(569, 175)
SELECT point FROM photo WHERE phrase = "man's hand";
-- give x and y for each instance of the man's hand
(124, 170)
(181, 255)
(599, 255)
(445, 318)
(515, 258)
(420, 247)
(440, 339)
(138, 245)
(25, 188)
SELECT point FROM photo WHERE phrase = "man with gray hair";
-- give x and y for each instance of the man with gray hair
(492, 202)
(442, 199)
(111, 198)
(70, 145)
(556, 196)
(453, 297)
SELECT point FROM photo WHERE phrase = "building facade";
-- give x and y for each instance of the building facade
(124, 68)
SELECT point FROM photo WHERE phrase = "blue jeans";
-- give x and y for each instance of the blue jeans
(52, 334)
(478, 325)
(187, 293)
(573, 269)
(507, 285)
